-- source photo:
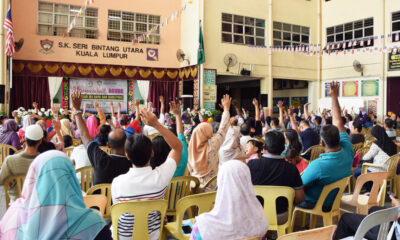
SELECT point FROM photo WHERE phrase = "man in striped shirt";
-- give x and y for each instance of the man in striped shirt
(141, 182)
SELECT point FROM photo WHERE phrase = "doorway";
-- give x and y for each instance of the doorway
(393, 97)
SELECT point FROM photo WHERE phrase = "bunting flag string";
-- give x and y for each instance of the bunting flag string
(175, 15)
(348, 47)
(79, 13)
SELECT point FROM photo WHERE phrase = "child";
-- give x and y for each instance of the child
(254, 148)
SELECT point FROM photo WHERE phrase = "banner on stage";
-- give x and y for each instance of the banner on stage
(103, 91)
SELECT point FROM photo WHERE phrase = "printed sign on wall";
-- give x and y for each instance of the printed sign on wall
(103, 91)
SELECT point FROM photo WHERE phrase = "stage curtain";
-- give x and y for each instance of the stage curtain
(170, 91)
(54, 86)
(143, 88)
(27, 90)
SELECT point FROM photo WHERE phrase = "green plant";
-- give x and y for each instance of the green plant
(141, 101)
(56, 100)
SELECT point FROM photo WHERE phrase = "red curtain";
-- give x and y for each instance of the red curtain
(26, 90)
(170, 91)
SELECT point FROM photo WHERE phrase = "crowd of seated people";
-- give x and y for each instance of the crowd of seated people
(147, 149)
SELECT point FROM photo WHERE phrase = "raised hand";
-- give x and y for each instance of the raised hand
(235, 103)
(280, 104)
(226, 102)
(111, 103)
(35, 105)
(162, 99)
(255, 102)
(137, 102)
(56, 125)
(148, 117)
(291, 111)
(307, 104)
(334, 91)
(96, 104)
(76, 98)
(175, 108)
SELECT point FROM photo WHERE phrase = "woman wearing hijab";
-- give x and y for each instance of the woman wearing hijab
(92, 126)
(27, 120)
(380, 151)
(203, 147)
(51, 205)
(230, 149)
(237, 213)
(8, 134)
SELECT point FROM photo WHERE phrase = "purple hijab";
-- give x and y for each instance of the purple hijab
(10, 128)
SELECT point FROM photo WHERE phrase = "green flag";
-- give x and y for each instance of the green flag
(201, 58)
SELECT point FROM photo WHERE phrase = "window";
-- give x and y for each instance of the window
(396, 26)
(243, 30)
(286, 34)
(127, 26)
(54, 20)
(355, 34)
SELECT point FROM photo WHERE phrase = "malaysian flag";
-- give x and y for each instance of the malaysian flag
(8, 25)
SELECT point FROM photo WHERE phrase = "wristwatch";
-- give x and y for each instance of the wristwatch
(76, 112)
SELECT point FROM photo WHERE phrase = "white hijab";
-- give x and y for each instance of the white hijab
(26, 122)
(237, 213)
(230, 149)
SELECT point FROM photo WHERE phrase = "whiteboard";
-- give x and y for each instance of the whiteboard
(347, 103)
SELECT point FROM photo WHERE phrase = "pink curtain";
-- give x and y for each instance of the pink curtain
(27, 90)
(170, 91)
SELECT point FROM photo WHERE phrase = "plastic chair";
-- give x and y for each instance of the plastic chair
(314, 234)
(391, 164)
(140, 210)
(383, 218)
(76, 142)
(317, 210)
(204, 186)
(106, 149)
(5, 151)
(204, 202)
(86, 177)
(105, 190)
(99, 201)
(270, 194)
(18, 180)
(69, 151)
(315, 152)
(178, 188)
(252, 238)
(357, 147)
(364, 202)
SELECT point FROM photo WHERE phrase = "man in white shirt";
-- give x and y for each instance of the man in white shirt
(141, 182)
(245, 138)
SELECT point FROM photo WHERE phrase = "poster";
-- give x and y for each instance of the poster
(210, 89)
(350, 89)
(299, 101)
(285, 101)
(103, 91)
(370, 88)
(372, 106)
(394, 62)
(327, 89)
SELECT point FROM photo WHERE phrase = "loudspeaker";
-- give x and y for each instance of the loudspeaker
(263, 100)
(245, 72)
(2, 94)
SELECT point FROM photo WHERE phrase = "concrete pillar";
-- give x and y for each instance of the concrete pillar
(3, 57)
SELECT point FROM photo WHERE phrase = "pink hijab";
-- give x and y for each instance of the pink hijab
(237, 213)
(91, 124)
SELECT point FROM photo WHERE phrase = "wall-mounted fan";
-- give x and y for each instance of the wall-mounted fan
(180, 55)
(230, 60)
(358, 67)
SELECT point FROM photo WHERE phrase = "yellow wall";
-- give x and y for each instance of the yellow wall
(375, 65)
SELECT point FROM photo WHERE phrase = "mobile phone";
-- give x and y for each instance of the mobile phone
(391, 194)
(186, 229)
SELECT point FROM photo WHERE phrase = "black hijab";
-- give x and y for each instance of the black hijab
(383, 141)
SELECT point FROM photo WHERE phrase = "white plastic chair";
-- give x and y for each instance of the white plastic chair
(383, 218)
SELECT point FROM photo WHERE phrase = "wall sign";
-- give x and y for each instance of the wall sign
(394, 62)
(98, 50)
(210, 89)
(103, 91)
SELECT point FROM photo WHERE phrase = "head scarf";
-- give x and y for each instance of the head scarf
(198, 147)
(51, 204)
(26, 122)
(383, 141)
(91, 124)
(237, 213)
(65, 127)
(230, 149)
(9, 128)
